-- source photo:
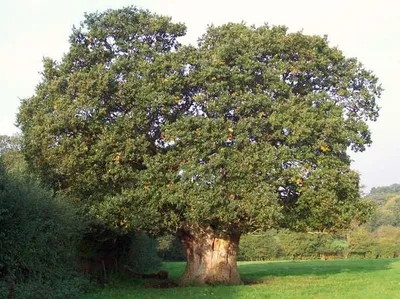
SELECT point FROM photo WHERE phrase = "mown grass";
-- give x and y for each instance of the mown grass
(298, 279)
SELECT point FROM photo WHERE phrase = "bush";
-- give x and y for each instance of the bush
(362, 244)
(387, 241)
(67, 288)
(285, 244)
(38, 238)
(339, 247)
(259, 247)
(302, 245)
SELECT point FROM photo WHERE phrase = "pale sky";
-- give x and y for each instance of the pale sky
(366, 29)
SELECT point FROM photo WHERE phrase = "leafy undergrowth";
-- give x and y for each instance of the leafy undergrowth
(299, 279)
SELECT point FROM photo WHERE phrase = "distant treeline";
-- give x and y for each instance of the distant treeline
(392, 189)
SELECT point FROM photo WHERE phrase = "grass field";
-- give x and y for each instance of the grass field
(302, 279)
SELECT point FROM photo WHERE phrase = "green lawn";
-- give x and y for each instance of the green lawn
(303, 279)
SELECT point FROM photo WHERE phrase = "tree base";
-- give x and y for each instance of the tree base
(211, 258)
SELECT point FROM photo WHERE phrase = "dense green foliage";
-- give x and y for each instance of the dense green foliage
(12, 157)
(286, 245)
(45, 243)
(95, 78)
(381, 234)
(358, 243)
(259, 247)
(94, 127)
(247, 130)
(38, 236)
(340, 279)
(387, 213)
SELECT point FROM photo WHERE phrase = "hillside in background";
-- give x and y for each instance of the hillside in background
(380, 195)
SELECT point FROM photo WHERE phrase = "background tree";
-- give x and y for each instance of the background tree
(388, 241)
(387, 212)
(248, 130)
(380, 195)
(12, 157)
(362, 243)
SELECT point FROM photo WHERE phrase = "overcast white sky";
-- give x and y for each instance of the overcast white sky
(366, 29)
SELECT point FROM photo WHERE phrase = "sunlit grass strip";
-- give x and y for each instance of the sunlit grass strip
(299, 279)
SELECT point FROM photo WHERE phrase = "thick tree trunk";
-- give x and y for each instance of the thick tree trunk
(211, 258)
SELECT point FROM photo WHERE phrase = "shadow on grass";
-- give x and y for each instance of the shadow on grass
(251, 273)
(260, 272)
(256, 271)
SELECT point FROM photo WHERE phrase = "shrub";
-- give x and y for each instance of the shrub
(387, 241)
(362, 244)
(259, 247)
(38, 239)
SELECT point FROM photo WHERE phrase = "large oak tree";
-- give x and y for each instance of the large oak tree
(247, 130)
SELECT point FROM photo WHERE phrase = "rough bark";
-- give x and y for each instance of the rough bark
(211, 258)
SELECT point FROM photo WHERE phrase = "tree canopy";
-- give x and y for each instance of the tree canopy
(248, 129)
